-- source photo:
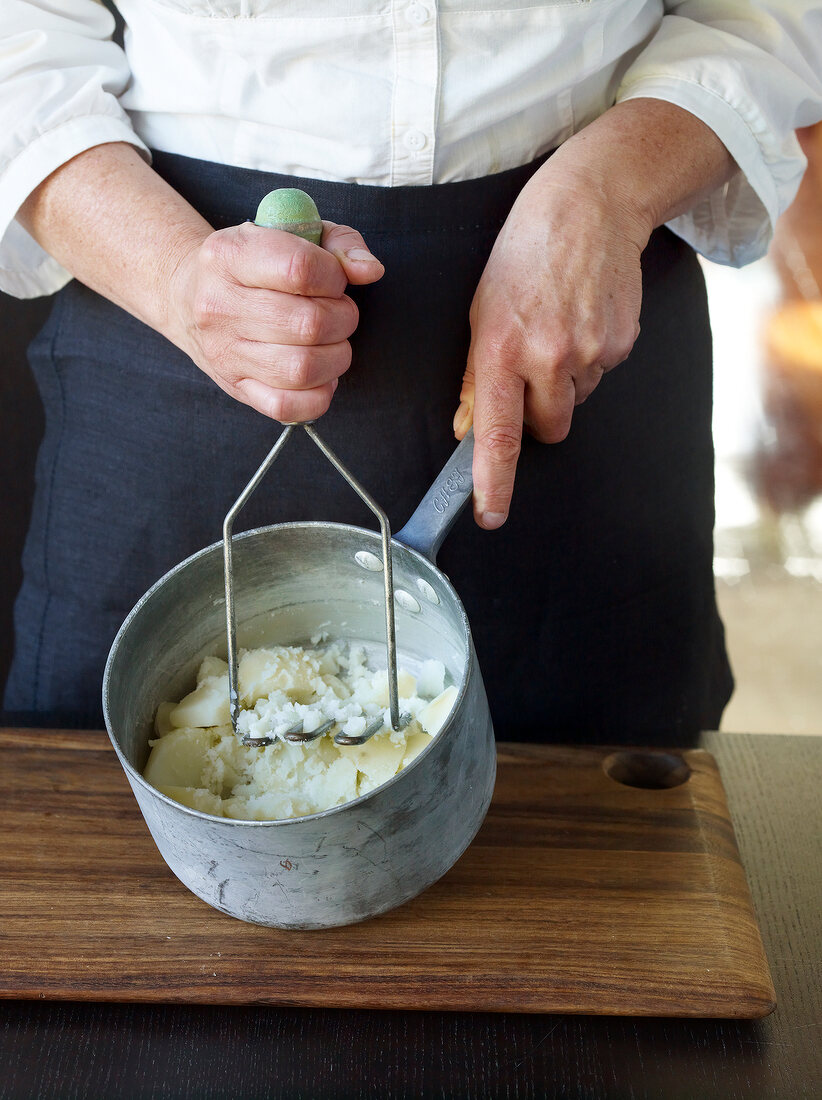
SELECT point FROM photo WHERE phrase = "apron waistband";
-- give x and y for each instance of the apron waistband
(218, 192)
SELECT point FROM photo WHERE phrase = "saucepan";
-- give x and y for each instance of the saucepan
(294, 581)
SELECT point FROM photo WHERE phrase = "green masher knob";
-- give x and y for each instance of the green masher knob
(290, 209)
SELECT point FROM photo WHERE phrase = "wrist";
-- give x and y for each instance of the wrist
(120, 229)
(647, 160)
(592, 202)
(177, 288)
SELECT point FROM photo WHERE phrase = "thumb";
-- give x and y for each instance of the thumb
(348, 246)
(464, 416)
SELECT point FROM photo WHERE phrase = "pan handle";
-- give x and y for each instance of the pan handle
(439, 509)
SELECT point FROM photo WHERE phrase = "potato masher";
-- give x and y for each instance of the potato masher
(297, 733)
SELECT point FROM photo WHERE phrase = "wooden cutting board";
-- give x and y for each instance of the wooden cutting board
(580, 894)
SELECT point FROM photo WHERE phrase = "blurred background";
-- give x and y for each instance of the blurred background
(767, 322)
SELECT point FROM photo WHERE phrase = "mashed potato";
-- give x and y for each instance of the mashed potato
(198, 760)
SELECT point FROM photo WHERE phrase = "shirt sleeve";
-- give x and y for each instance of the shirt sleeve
(749, 69)
(60, 75)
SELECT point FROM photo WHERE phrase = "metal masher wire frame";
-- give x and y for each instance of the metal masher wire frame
(296, 733)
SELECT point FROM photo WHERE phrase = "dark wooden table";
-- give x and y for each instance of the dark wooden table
(773, 786)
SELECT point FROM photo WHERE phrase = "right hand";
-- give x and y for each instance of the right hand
(266, 316)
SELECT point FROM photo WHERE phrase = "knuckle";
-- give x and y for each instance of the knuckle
(340, 238)
(344, 356)
(290, 405)
(351, 316)
(270, 400)
(501, 345)
(336, 360)
(585, 386)
(622, 350)
(594, 348)
(228, 369)
(606, 347)
(208, 308)
(299, 370)
(299, 270)
(305, 368)
(558, 431)
(309, 322)
(502, 441)
(552, 430)
(219, 248)
(563, 347)
(278, 406)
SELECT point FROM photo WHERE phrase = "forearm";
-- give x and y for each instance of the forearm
(647, 158)
(119, 228)
(262, 312)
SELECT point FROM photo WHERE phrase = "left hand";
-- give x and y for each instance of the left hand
(557, 306)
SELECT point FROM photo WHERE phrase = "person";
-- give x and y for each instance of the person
(514, 196)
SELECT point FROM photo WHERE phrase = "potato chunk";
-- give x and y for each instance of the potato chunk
(197, 798)
(206, 706)
(417, 740)
(433, 716)
(263, 671)
(378, 759)
(177, 759)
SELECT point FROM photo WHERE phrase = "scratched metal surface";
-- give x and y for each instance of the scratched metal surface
(403, 836)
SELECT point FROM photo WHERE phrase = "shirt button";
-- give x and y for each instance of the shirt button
(417, 14)
(415, 139)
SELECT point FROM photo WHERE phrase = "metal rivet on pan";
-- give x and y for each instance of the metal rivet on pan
(368, 560)
(427, 590)
(406, 600)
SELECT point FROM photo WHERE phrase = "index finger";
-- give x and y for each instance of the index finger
(272, 259)
(498, 411)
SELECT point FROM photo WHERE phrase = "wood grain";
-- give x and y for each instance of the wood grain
(579, 895)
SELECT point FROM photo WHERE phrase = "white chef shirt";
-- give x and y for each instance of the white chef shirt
(393, 92)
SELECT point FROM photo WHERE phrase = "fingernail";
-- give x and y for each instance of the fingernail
(492, 520)
(334, 383)
(361, 254)
(462, 419)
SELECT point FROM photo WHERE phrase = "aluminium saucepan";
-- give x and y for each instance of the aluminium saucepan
(293, 581)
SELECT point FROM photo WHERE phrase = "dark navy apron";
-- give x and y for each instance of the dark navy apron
(592, 609)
